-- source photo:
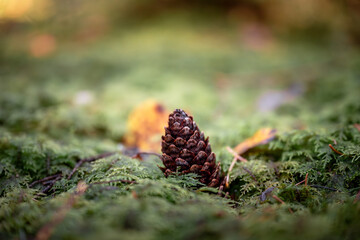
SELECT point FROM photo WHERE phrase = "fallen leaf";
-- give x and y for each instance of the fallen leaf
(145, 126)
(262, 136)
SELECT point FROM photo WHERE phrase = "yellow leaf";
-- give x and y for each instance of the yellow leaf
(146, 125)
(262, 136)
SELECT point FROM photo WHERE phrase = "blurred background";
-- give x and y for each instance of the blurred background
(81, 67)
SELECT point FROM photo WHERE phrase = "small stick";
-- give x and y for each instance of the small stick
(250, 173)
(52, 184)
(78, 164)
(278, 199)
(281, 201)
(90, 159)
(300, 182)
(237, 156)
(336, 151)
(228, 175)
(305, 180)
(47, 182)
(44, 179)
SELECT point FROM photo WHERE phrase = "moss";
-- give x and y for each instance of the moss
(43, 131)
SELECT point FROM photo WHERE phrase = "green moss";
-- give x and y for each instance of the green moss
(43, 131)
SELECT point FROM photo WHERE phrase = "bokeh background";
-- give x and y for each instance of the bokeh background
(80, 67)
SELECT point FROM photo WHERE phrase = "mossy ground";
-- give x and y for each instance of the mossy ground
(44, 130)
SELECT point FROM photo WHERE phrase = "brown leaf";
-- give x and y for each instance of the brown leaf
(145, 126)
(262, 136)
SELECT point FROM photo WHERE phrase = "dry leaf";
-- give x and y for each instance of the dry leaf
(145, 126)
(262, 136)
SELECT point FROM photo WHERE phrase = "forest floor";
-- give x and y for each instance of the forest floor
(73, 105)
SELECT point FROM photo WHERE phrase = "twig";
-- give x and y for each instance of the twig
(336, 151)
(237, 156)
(281, 201)
(44, 179)
(47, 182)
(278, 199)
(305, 180)
(90, 159)
(138, 155)
(228, 175)
(250, 173)
(52, 183)
(300, 182)
(45, 232)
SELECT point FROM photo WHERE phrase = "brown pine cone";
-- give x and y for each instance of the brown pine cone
(187, 151)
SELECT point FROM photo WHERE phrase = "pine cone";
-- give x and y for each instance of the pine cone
(187, 151)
